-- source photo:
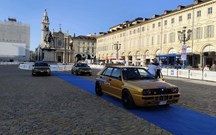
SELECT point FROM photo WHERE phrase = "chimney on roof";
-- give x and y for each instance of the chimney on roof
(197, 1)
(167, 11)
(154, 16)
(180, 7)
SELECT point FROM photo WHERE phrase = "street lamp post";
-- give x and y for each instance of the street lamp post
(183, 37)
(117, 47)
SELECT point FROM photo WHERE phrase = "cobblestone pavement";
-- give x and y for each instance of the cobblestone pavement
(196, 95)
(48, 105)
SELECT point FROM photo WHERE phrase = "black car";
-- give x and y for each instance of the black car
(81, 68)
(41, 68)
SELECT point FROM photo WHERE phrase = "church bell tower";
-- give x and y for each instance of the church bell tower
(44, 28)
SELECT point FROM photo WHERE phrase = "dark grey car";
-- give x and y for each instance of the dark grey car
(41, 68)
(81, 68)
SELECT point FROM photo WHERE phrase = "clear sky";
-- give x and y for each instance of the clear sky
(81, 17)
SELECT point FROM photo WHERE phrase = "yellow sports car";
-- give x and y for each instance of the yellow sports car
(135, 86)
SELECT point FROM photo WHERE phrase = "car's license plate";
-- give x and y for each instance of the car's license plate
(162, 102)
(163, 98)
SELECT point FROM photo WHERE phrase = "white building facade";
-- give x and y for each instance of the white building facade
(14, 41)
(145, 38)
(85, 48)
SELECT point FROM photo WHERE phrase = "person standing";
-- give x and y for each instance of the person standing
(154, 68)
(206, 68)
(213, 67)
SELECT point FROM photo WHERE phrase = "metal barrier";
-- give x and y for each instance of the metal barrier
(190, 74)
(181, 73)
(9, 63)
(56, 67)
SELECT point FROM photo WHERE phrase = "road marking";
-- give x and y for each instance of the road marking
(175, 119)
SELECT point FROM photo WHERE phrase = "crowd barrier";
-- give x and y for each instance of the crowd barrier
(56, 67)
(9, 63)
(190, 74)
(180, 73)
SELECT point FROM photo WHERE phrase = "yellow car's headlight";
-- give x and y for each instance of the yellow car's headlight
(147, 92)
(174, 90)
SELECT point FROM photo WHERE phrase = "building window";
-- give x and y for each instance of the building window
(159, 24)
(165, 39)
(189, 16)
(209, 31)
(165, 22)
(198, 33)
(130, 32)
(143, 28)
(199, 13)
(152, 41)
(153, 25)
(210, 10)
(134, 31)
(158, 39)
(172, 37)
(138, 30)
(172, 20)
(180, 18)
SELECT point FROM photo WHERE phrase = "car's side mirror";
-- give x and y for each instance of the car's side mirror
(33, 65)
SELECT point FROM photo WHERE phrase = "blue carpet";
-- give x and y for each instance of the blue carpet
(174, 119)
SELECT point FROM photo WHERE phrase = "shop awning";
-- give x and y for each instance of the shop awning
(169, 55)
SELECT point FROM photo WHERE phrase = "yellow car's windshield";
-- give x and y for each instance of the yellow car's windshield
(136, 74)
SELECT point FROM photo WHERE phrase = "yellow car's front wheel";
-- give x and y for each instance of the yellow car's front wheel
(98, 89)
(127, 100)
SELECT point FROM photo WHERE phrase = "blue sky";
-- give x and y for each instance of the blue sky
(81, 16)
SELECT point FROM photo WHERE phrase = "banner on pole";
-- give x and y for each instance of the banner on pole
(184, 52)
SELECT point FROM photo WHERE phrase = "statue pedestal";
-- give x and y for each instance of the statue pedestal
(48, 54)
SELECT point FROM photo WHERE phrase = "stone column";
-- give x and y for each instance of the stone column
(55, 56)
(69, 61)
(143, 60)
(134, 60)
(201, 61)
(63, 57)
(126, 59)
